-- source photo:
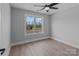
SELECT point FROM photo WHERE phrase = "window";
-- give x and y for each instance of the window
(33, 24)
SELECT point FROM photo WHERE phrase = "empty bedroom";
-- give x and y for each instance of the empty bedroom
(39, 29)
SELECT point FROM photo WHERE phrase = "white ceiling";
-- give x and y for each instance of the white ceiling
(31, 7)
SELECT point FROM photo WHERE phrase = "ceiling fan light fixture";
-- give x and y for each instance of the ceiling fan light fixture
(47, 8)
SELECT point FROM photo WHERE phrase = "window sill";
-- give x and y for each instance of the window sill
(34, 33)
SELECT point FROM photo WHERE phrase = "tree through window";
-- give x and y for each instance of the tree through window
(33, 24)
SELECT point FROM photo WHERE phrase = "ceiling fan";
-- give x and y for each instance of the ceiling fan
(47, 7)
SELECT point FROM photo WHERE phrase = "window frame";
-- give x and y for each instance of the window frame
(35, 16)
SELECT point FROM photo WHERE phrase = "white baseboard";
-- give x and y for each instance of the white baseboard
(65, 42)
(22, 42)
(55, 38)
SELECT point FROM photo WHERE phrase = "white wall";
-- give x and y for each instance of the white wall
(0, 24)
(5, 27)
(65, 26)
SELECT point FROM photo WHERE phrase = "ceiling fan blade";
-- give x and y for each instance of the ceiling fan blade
(39, 6)
(53, 8)
(41, 9)
(52, 4)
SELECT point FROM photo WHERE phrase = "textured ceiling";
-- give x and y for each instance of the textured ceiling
(31, 7)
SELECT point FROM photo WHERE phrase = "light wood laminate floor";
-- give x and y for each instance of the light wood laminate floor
(46, 47)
